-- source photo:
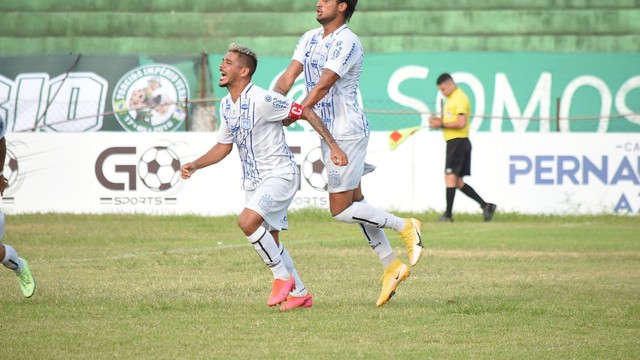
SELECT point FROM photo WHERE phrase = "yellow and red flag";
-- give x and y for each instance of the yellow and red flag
(397, 137)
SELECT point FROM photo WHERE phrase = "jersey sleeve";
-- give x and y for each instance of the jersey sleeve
(277, 107)
(299, 52)
(343, 55)
(463, 106)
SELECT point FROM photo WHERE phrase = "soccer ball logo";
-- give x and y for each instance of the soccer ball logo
(314, 171)
(12, 173)
(159, 168)
(11, 170)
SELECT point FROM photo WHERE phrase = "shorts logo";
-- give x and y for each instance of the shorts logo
(265, 202)
(334, 178)
(151, 98)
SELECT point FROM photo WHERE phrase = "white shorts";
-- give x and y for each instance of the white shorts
(344, 178)
(272, 199)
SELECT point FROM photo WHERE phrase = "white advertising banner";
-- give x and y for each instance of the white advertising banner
(114, 172)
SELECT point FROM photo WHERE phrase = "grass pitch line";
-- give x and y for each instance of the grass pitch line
(176, 251)
(142, 254)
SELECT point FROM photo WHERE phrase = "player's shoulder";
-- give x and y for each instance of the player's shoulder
(345, 33)
(256, 92)
(225, 99)
(263, 96)
(461, 95)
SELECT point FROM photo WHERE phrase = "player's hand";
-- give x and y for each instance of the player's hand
(187, 170)
(339, 157)
(288, 121)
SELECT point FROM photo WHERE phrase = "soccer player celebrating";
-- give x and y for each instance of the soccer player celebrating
(331, 57)
(252, 119)
(8, 254)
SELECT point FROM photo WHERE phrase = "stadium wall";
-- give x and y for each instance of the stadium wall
(527, 92)
(534, 173)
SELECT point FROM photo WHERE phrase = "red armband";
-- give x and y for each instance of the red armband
(296, 111)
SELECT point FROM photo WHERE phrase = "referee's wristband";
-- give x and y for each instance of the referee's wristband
(1, 173)
(442, 125)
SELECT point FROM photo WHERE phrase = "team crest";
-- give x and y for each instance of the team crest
(265, 202)
(151, 98)
(245, 123)
(334, 178)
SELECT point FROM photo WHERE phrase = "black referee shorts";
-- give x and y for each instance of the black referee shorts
(458, 159)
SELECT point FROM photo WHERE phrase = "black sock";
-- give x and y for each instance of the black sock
(451, 193)
(468, 190)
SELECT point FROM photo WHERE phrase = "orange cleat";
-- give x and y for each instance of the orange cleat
(297, 301)
(280, 290)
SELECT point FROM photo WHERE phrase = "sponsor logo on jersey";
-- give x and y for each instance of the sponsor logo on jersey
(280, 104)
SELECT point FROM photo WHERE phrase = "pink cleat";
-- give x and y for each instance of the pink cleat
(280, 290)
(297, 301)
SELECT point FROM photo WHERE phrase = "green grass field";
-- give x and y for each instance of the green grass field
(169, 287)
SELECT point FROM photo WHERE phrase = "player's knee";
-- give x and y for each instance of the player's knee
(246, 225)
(346, 215)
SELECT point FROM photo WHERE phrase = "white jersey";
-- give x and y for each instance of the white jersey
(342, 53)
(254, 124)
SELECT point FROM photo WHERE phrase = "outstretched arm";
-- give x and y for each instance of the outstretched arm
(218, 152)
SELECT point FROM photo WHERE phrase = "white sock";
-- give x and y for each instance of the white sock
(299, 289)
(379, 242)
(363, 213)
(266, 247)
(11, 260)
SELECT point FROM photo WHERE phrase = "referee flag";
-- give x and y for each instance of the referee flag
(397, 137)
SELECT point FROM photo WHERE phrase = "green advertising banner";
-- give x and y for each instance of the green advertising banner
(77, 93)
(510, 92)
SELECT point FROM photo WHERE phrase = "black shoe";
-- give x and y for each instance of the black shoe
(488, 211)
(445, 218)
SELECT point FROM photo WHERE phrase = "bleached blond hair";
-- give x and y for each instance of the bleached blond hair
(241, 49)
